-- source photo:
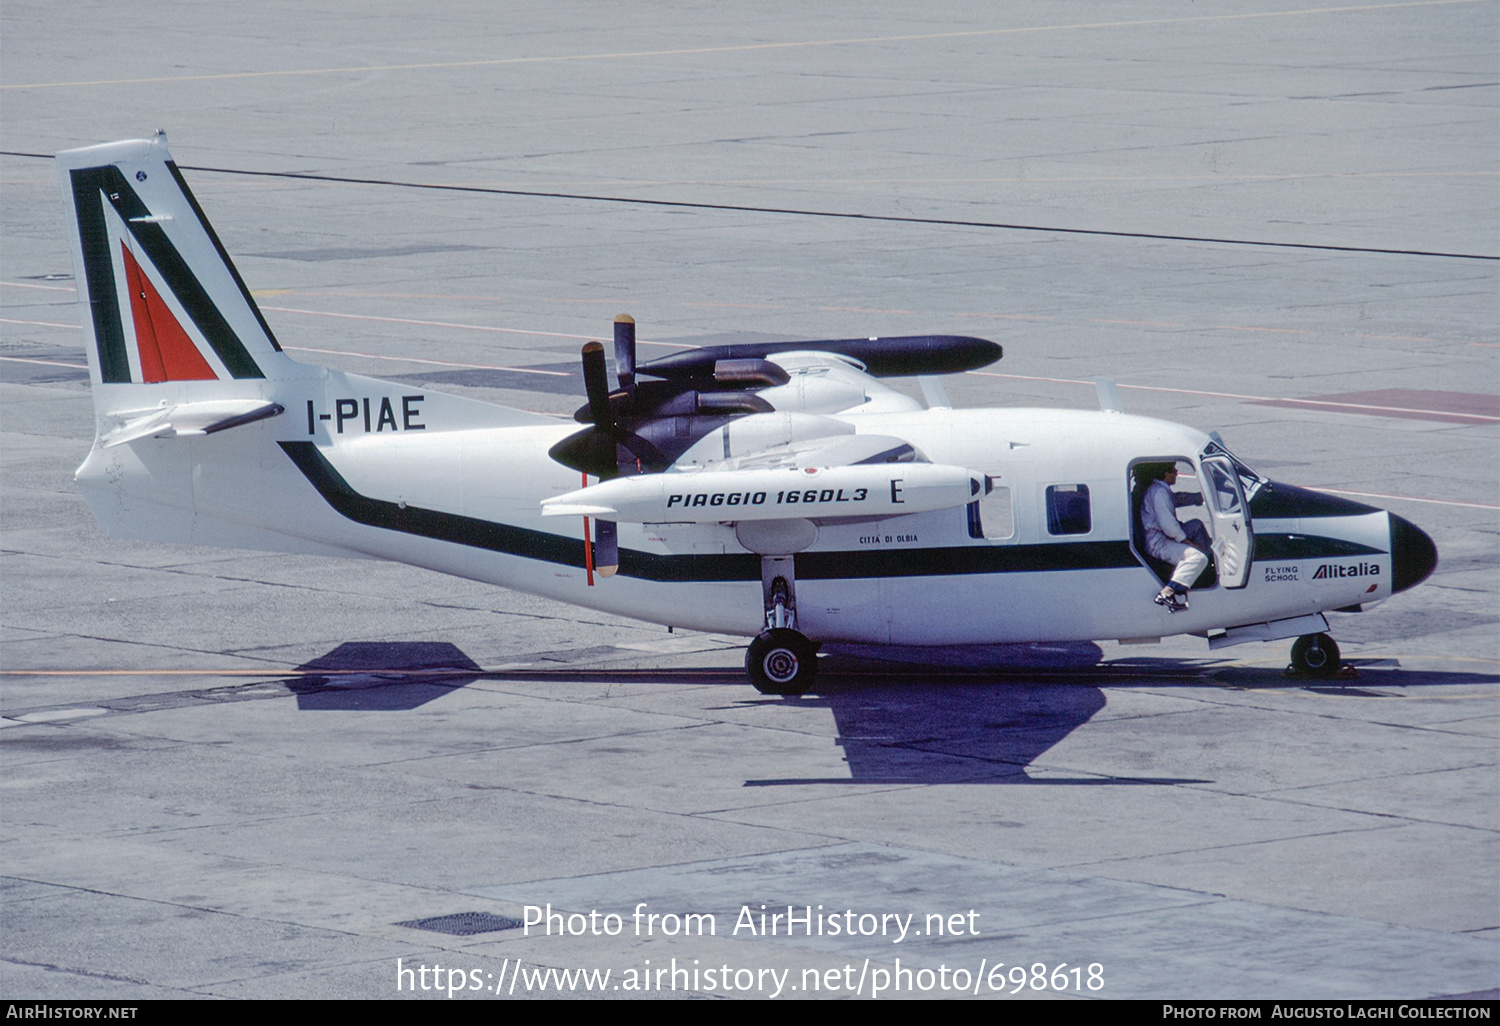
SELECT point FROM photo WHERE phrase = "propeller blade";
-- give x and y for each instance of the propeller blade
(625, 351)
(596, 382)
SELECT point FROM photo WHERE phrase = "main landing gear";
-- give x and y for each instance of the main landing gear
(781, 660)
(1315, 655)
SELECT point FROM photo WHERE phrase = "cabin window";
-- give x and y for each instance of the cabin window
(991, 517)
(1068, 509)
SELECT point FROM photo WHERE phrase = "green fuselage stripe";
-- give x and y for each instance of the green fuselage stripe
(943, 561)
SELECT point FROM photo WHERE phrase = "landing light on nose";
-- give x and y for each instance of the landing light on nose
(1413, 555)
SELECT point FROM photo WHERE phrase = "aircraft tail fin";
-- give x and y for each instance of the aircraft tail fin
(162, 303)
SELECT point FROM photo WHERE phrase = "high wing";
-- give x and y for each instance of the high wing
(649, 426)
(833, 450)
(755, 436)
(737, 434)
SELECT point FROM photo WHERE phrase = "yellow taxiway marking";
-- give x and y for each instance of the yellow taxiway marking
(1302, 685)
(1008, 317)
(49, 363)
(434, 363)
(1410, 498)
(1151, 324)
(1316, 403)
(460, 670)
(1247, 327)
(39, 324)
(30, 285)
(434, 672)
(652, 183)
(748, 47)
(422, 323)
(737, 306)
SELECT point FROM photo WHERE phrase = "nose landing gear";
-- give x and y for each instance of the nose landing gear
(1316, 655)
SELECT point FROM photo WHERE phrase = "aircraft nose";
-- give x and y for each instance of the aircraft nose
(1413, 555)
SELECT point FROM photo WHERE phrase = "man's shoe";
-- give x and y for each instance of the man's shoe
(1171, 600)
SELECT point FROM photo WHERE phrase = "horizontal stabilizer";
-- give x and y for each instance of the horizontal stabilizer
(203, 418)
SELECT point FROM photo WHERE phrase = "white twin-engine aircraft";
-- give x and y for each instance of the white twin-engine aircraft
(778, 490)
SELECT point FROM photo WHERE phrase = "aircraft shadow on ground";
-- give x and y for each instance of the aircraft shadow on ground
(897, 725)
(942, 728)
(382, 676)
(907, 725)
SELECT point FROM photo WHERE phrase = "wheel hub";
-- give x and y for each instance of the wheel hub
(781, 665)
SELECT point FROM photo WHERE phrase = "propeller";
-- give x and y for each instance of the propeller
(596, 451)
(654, 421)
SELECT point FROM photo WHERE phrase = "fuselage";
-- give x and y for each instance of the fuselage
(357, 466)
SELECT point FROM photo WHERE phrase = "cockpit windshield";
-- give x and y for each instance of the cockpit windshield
(1250, 481)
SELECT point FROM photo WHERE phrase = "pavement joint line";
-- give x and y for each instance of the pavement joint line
(1206, 898)
(743, 856)
(1242, 844)
(178, 904)
(1276, 792)
(1209, 700)
(1401, 819)
(637, 808)
(552, 743)
(90, 973)
(460, 792)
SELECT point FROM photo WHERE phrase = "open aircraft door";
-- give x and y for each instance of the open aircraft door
(1231, 520)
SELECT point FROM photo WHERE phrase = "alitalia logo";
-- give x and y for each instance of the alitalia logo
(1329, 571)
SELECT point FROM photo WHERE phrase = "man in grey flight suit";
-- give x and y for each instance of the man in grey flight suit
(1169, 540)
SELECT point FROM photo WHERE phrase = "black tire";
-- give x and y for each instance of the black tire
(781, 662)
(1316, 655)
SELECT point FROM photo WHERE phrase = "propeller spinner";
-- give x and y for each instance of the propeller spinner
(594, 449)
